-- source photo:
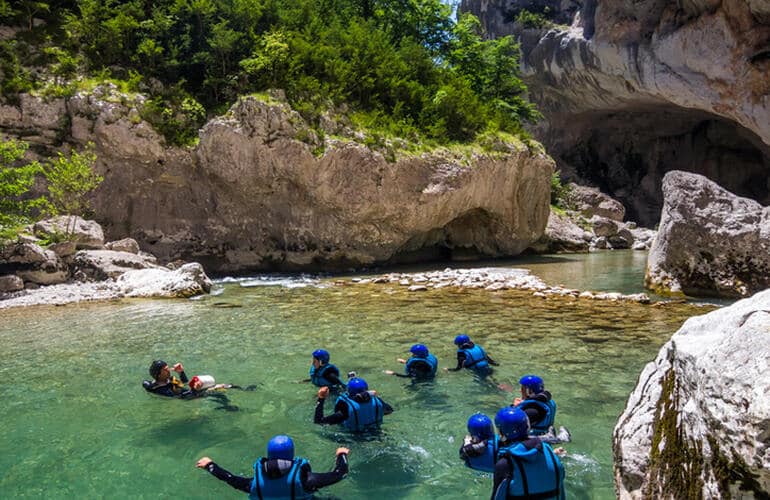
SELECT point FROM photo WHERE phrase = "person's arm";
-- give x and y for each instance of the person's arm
(312, 481)
(340, 412)
(460, 362)
(502, 472)
(492, 361)
(534, 413)
(334, 378)
(386, 408)
(237, 482)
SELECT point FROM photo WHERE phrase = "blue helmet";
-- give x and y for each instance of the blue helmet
(321, 355)
(357, 386)
(462, 339)
(533, 383)
(280, 446)
(513, 423)
(419, 351)
(480, 426)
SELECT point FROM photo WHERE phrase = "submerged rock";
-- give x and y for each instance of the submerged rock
(698, 423)
(710, 242)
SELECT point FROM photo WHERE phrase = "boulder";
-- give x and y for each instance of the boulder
(710, 242)
(562, 234)
(86, 234)
(108, 264)
(698, 423)
(603, 226)
(590, 201)
(187, 281)
(11, 283)
(33, 264)
(125, 245)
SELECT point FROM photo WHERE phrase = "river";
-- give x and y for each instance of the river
(76, 422)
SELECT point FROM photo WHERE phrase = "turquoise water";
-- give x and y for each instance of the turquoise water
(76, 422)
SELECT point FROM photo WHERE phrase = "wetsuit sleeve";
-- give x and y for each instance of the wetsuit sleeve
(340, 413)
(492, 361)
(403, 375)
(460, 362)
(334, 378)
(237, 482)
(386, 408)
(312, 481)
(502, 472)
(183, 377)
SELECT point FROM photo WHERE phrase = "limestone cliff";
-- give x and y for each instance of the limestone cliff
(633, 89)
(698, 423)
(252, 195)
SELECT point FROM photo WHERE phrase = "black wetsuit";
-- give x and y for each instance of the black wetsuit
(419, 369)
(172, 388)
(311, 481)
(341, 409)
(461, 358)
(536, 413)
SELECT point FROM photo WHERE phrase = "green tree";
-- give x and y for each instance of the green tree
(16, 180)
(70, 179)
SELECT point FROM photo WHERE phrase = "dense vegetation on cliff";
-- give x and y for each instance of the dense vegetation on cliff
(399, 66)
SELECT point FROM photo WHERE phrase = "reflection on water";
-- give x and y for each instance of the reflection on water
(76, 422)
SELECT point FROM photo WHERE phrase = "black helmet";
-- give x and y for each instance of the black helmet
(155, 368)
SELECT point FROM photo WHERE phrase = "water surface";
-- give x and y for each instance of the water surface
(76, 422)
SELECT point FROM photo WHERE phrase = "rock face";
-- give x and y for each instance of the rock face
(633, 89)
(254, 196)
(698, 423)
(710, 242)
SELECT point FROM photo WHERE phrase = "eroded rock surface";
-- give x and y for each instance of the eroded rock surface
(710, 242)
(698, 423)
(632, 90)
(255, 195)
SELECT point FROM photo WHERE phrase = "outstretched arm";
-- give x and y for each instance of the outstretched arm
(460, 362)
(492, 361)
(312, 481)
(237, 482)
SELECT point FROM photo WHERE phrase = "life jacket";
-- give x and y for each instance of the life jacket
(318, 377)
(285, 487)
(487, 460)
(541, 427)
(362, 416)
(536, 473)
(430, 360)
(475, 358)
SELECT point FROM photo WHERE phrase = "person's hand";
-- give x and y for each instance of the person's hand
(203, 462)
(340, 451)
(372, 392)
(401, 360)
(446, 368)
(178, 368)
(517, 401)
(323, 392)
(560, 451)
(389, 372)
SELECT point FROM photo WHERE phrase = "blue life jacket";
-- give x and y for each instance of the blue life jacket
(430, 360)
(541, 427)
(535, 474)
(486, 461)
(286, 487)
(318, 377)
(475, 358)
(362, 416)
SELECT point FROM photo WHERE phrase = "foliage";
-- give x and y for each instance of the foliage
(14, 78)
(560, 193)
(402, 61)
(16, 179)
(69, 180)
(527, 19)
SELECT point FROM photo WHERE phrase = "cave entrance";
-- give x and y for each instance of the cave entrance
(470, 236)
(627, 153)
